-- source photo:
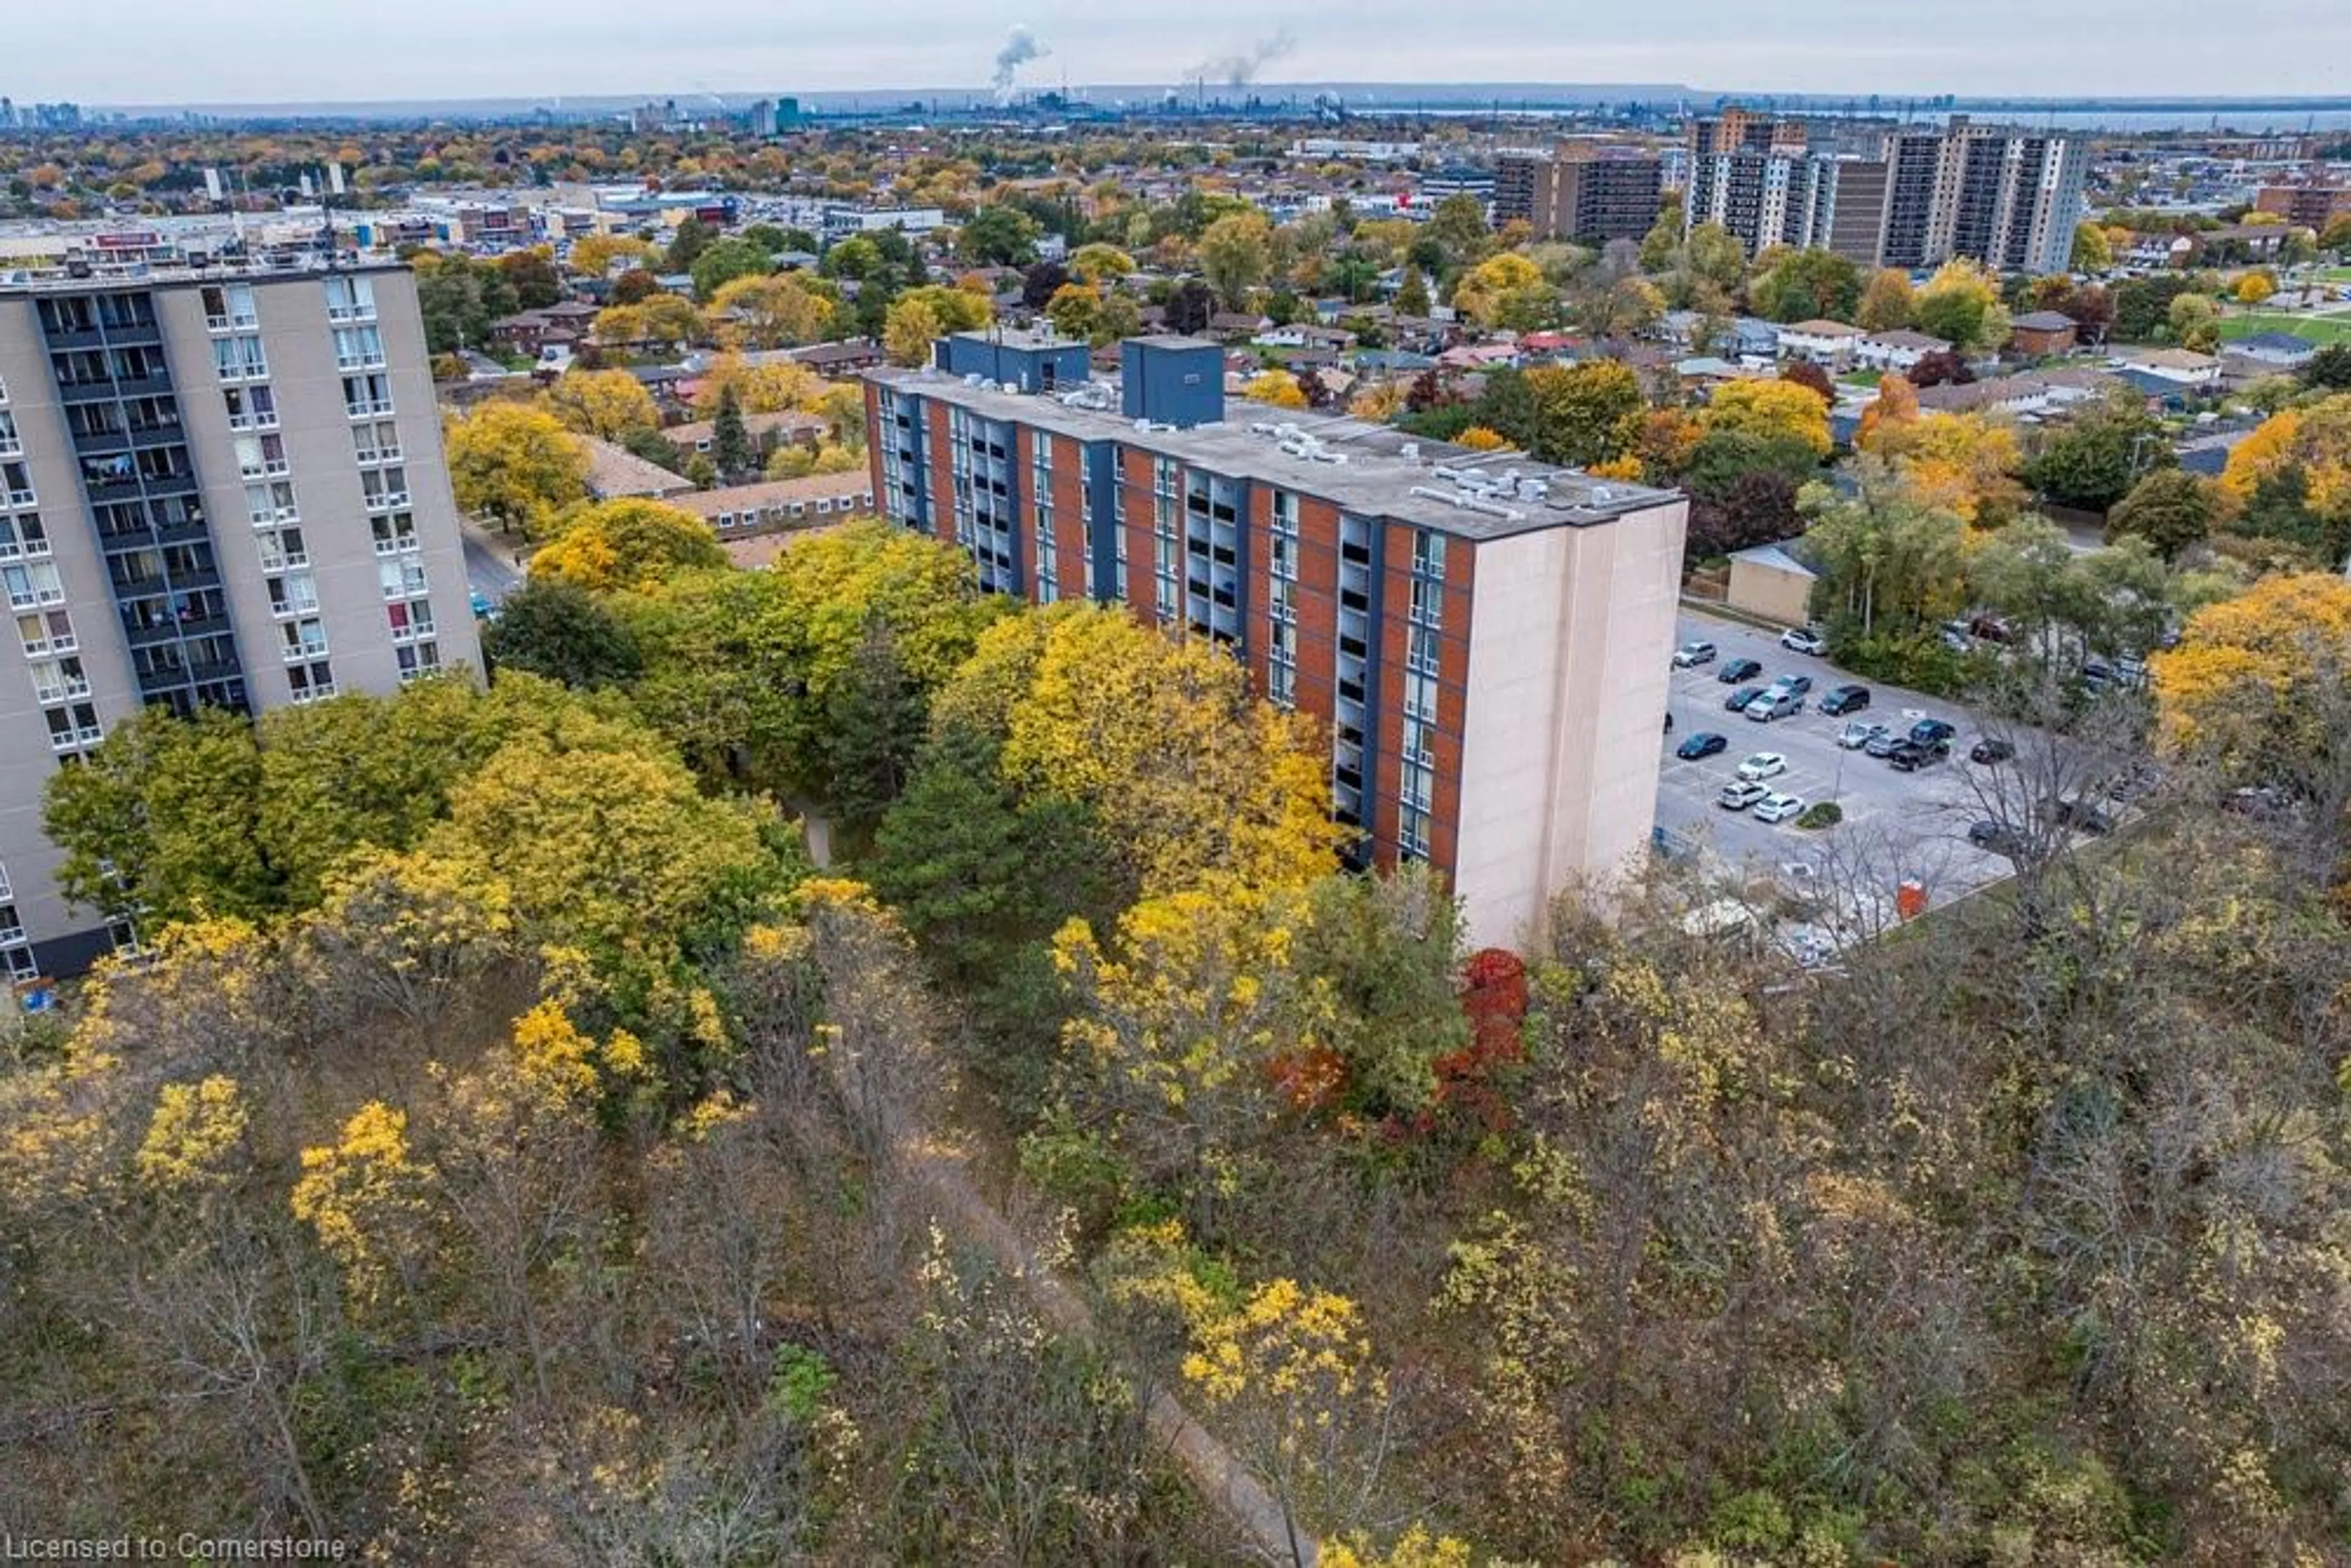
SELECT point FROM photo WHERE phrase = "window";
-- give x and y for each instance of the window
(418, 658)
(376, 442)
(229, 306)
(239, 357)
(16, 486)
(402, 579)
(384, 488)
(393, 534)
(304, 640)
(270, 504)
(33, 584)
(21, 536)
(411, 620)
(312, 682)
(50, 633)
(296, 593)
(281, 549)
(251, 408)
(365, 397)
(75, 727)
(58, 680)
(12, 928)
(260, 456)
(359, 348)
(351, 300)
(10, 446)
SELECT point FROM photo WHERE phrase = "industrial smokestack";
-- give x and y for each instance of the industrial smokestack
(1020, 47)
(1240, 70)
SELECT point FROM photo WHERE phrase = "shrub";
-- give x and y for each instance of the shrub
(1822, 814)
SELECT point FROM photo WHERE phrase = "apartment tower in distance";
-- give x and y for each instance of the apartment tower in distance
(1486, 637)
(1906, 196)
(220, 486)
(1584, 191)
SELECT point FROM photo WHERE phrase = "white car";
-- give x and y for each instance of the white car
(1738, 796)
(1762, 766)
(1691, 655)
(1778, 808)
(1803, 640)
(1857, 735)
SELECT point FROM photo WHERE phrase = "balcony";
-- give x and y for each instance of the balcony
(349, 314)
(134, 438)
(398, 544)
(232, 323)
(77, 737)
(302, 653)
(13, 549)
(18, 498)
(271, 468)
(239, 374)
(387, 500)
(106, 390)
(261, 419)
(62, 691)
(64, 642)
(368, 409)
(372, 454)
(270, 518)
(292, 609)
(353, 363)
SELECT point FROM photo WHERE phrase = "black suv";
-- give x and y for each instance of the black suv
(1909, 755)
(1989, 751)
(1933, 732)
(1845, 699)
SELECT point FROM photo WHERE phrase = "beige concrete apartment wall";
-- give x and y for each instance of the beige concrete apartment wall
(1572, 635)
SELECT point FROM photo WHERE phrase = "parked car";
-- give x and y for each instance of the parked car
(1803, 640)
(2082, 816)
(1883, 744)
(1774, 705)
(1691, 655)
(1737, 701)
(1799, 684)
(1778, 808)
(1845, 699)
(2000, 839)
(1908, 756)
(1734, 671)
(1989, 751)
(1740, 794)
(1856, 735)
(1763, 765)
(1933, 732)
(1704, 744)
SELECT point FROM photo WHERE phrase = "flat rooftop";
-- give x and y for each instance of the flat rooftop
(96, 276)
(1372, 470)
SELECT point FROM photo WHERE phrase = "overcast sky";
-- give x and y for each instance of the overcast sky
(163, 51)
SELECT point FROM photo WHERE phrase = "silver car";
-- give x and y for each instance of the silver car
(1857, 735)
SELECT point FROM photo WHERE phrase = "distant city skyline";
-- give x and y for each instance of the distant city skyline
(277, 51)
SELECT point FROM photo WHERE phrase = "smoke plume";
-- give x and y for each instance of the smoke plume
(1020, 47)
(1240, 70)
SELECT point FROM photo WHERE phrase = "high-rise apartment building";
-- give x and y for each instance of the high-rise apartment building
(2315, 204)
(1486, 637)
(1585, 192)
(1902, 196)
(219, 487)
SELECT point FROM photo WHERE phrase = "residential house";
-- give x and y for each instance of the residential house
(2042, 333)
(779, 504)
(616, 474)
(528, 331)
(2274, 350)
(839, 361)
(1898, 352)
(2179, 367)
(1829, 343)
(767, 431)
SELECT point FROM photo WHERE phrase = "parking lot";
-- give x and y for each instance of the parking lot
(1895, 827)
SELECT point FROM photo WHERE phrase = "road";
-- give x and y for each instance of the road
(490, 570)
(1896, 826)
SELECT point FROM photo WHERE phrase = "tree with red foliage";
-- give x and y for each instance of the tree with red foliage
(1942, 368)
(1805, 373)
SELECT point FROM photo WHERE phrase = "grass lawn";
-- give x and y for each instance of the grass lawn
(2327, 329)
(1860, 379)
(2332, 274)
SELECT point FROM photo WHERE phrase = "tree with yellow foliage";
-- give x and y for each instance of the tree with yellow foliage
(770, 310)
(626, 546)
(1887, 302)
(2311, 444)
(2254, 288)
(369, 1201)
(1768, 410)
(1963, 462)
(2256, 682)
(516, 466)
(1276, 387)
(1896, 402)
(1192, 777)
(594, 256)
(774, 387)
(1506, 290)
(610, 405)
(1480, 438)
(909, 332)
(666, 320)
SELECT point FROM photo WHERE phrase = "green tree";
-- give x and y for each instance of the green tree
(2093, 459)
(1712, 255)
(1887, 304)
(1458, 225)
(1412, 294)
(531, 274)
(1961, 304)
(687, 242)
(997, 236)
(1662, 244)
(722, 262)
(2169, 508)
(554, 628)
(730, 441)
(1808, 285)
(1236, 253)
(2091, 250)
(1584, 414)
(875, 716)
(1887, 564)
(161, 821)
